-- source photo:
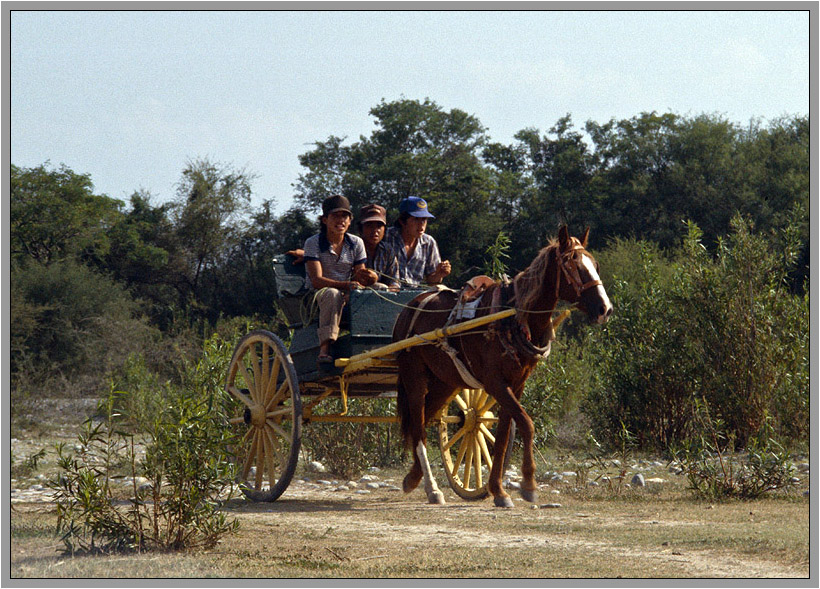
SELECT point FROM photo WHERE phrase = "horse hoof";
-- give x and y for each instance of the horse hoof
(505, 502)
(531, 496)
(436, 498)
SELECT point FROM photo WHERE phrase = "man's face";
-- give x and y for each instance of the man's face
(338, 222)
(415, 226)
(372, 232)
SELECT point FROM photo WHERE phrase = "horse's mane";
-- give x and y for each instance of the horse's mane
(529, 282)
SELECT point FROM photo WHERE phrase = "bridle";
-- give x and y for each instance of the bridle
(569, 267)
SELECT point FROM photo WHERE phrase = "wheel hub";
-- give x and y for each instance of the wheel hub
(470, 419)
(255, 415)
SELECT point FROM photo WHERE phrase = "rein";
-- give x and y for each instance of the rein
(569, 268)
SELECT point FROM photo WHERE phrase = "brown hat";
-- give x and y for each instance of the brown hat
(372, 212)
(334, 203)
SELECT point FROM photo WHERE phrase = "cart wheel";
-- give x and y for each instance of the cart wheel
(266, 415)
(465, 435)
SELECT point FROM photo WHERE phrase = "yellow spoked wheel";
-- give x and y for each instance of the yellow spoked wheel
(466, 439)
(266, 415)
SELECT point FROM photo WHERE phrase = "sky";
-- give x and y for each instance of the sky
(131, 97)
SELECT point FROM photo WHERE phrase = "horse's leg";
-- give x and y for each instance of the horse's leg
(502, 434)
(413, 378)
(512, 409)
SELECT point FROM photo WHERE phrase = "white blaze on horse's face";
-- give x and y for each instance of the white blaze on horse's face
(603, 309)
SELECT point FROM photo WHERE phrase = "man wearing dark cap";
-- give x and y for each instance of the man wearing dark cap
(372, 225)
(331, 259)
(415, 250)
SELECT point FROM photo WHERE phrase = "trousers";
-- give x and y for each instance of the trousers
(331, 301)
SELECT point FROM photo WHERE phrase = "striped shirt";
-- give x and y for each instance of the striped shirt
(423, 262)
(336, 266)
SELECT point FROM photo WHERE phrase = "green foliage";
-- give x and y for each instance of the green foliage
(555, 389)
(345, 449)
(173, 491)
(62, 317)
(714, 471)
(725, 328)
(55, 215)
(495, 267)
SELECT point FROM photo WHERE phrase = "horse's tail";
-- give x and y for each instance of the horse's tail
(403, 411)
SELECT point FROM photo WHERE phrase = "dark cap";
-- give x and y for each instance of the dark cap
(372, 212)
(415, 207)
(334, 203)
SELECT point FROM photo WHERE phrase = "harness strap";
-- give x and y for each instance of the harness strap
(471, 381)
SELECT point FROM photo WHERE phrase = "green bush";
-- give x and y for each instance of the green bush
(68, 319)
(346, 449)
(716, 472)
(725, 328)
(555, 388)
(185, 465)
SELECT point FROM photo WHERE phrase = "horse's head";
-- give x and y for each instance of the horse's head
(578, 280)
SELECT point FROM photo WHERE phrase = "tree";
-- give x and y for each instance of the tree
(56, 215)
(206, 215)
(416, 149)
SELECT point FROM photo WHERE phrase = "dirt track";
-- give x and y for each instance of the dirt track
(593, 538)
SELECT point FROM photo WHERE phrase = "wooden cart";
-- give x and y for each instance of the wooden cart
(275, 389)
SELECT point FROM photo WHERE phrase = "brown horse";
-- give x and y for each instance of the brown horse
(498, 359)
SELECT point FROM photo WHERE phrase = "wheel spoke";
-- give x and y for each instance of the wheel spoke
(280, 431)
(477, 459)
(454, 439)
(255, 371)
(249, 383)
(270, 383)
(460, 400)
(265, 370)
(490, 401)
(487, 433)
(280, 393)
(478, 398)
(272, 456)
(468, 462)
(240, 395)
(462, 449)
(260, 460)
(246, 467)
(485, 451)
(283, 411)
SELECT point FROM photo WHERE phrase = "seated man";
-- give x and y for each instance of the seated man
(372, 225)
(416, 251)
(331, 259)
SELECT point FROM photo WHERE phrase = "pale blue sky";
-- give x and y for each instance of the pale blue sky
(130, 97)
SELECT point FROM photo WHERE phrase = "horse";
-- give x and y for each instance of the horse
(498, 360)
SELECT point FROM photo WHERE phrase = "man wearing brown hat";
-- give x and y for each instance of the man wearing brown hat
(331, 259)
(372, 225)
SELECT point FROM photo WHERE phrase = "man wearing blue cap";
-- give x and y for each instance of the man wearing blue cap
(415, 250)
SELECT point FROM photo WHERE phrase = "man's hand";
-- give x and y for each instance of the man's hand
(365, 276)
(442, 270)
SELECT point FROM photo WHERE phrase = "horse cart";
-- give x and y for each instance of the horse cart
(275, 390)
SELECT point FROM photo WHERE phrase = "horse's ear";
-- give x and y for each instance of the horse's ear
(585, 238)
(563, 237)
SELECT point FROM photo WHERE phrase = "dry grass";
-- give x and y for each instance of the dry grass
(655, 532)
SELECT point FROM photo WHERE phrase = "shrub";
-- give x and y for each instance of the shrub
(186, 469)
(714, 472)
(722, 327)
(555, 388)
(346, 449)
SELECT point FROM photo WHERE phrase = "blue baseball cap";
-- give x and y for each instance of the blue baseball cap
(415, 207)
